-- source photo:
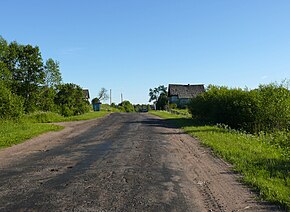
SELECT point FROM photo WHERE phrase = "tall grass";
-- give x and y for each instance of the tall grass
(264, 165)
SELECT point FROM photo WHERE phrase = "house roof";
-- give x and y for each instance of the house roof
(185, 91)
(86, 93)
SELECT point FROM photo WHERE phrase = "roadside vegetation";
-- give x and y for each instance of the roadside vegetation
(12, 132)
(159, 97)
(264, 165)
(16, 131)
(265, 109)
(28, 84)
(127, 107)
(32, 94)
(248, 128)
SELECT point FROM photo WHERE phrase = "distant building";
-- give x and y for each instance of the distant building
(86, 94)
(181, 94)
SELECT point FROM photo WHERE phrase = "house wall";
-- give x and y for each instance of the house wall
(173, 99)
(180, 102)
(184, 101)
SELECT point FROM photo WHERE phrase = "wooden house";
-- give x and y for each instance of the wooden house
(181, 94)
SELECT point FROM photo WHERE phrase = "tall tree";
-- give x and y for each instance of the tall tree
(70, 100)
(28, 75)
(156, 93)
(5, 74)
(52, 73)
(11, 105)
(26, 67)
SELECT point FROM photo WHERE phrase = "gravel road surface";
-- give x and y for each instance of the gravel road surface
(123, 162)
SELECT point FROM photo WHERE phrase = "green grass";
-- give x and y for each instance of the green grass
(183, 112)
(15, 132)
(12, 132)
(87, 116)
(49, 117)
(264, 165)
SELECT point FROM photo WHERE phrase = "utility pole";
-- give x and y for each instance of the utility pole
(110, 96)
(121, 97)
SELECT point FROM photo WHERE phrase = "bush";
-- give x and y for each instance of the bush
(96, 100)
(172, 106)
(126, 106)
(264, 109)
(274, 107)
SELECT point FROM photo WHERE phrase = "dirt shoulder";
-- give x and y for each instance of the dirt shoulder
(123, 162)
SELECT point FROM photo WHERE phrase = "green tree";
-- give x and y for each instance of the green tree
(3, 47)
(162, 102)
(26, 66)
(46, 100)
(70, 100)
(52, 73)
(11, 105)
(5, 74)
(155, 93)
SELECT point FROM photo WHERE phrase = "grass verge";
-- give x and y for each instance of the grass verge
(49, 117)
(12, 132)
(264, 166)
(15, 132)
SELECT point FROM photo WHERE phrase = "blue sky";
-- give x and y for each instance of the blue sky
(130, 46)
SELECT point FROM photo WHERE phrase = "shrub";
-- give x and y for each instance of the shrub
(126, 106)
(264, 109)
(96, 100)
(274, 107)
(172, 106)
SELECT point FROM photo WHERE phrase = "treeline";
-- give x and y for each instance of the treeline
(28, 84)
(128, 107)
(266, 108)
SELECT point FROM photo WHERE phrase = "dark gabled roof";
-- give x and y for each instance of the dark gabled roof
(86, 93)
(185, 91)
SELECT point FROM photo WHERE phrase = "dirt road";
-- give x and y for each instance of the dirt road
(123, 162)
